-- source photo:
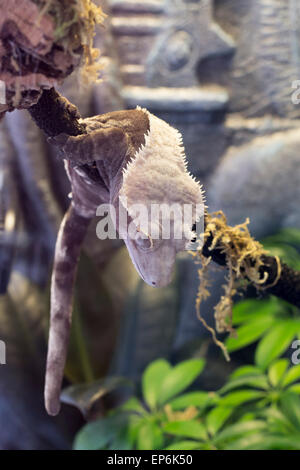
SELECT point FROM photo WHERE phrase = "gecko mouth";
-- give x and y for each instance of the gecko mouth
(137, 267)
(151, 283)
(139, 271)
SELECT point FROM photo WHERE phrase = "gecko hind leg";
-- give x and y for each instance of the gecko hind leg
(68, 247)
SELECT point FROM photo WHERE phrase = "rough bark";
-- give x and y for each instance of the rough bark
(55, 115)
(32, 58)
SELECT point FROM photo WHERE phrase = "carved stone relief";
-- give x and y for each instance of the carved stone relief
(199, 62)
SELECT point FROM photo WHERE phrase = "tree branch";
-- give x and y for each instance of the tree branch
(287, 286)
(55, 115)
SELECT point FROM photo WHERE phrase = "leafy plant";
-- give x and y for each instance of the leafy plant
(257, 408)
(271, 322)
(144, 420)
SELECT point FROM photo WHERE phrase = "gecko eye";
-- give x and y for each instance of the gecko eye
(143, 241)
(194, 239)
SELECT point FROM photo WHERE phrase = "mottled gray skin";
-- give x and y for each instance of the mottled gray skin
(94, 163)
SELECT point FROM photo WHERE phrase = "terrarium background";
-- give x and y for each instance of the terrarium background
(221, 72)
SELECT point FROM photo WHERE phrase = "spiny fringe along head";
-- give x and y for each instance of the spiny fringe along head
(157, 174)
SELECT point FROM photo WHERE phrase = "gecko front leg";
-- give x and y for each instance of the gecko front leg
(100, 144)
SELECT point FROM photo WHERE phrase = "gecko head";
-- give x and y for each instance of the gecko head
(162, 201)
(153, 259)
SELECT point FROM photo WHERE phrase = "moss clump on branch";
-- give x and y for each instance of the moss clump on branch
(75, 23)
(244, 258)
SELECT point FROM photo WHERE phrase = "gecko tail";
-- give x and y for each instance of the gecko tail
(67, 251)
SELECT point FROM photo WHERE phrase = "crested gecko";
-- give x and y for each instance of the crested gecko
(126, 157)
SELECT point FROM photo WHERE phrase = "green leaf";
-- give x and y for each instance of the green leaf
(283, 244)
(135, 422)
(292, 375)
(277, 421)
(290, 405)
(192, 429)
(275, 343)
(256, 381)
(98, 434)
(152, 381)
(248, 416)
(179, 378)
(150, 437)
(237, 430)
(287, 235)
(133, 405)
(239, 397)
(263, 441)
(217, 417)
(286, 253)
(249, 333)
(245, 370)
(277, 371)
(295, 388)
(121, 441)
(248, 310)
(184, 445)
(197, 399)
